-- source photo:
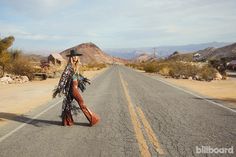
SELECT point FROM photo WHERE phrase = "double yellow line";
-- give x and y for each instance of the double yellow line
(138, 127)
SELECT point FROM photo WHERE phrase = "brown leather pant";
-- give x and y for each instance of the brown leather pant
(92, 117)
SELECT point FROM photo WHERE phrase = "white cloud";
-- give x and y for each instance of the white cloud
(38, 8)
(125, 22)
(21, 33)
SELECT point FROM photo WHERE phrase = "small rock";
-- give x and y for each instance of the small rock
(6, 80)
(24, 79)
(218, 76)
(190, 78)
(196, 77)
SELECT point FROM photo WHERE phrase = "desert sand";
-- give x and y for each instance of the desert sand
(18, 99)
(223, 90)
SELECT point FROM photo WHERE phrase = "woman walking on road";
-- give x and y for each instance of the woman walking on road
(70, 82)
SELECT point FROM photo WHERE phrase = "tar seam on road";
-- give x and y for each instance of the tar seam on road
(31, 120)
(150, 132)
(203, 98)
(137, 126)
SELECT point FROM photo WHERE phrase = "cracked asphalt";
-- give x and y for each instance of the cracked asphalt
(176, 122)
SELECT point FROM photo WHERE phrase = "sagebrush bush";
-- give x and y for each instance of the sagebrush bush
(178, 69)
(150, 67)
(95, 66)
(139, 66)
(207, 73)
(22, 66)
(185, 70)
(165, 71)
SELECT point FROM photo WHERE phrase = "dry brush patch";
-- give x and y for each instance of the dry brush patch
(22, 67)
(18, 64)
(178, 69)
(94, 66)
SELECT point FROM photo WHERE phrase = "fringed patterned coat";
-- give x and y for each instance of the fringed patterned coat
(65, 88)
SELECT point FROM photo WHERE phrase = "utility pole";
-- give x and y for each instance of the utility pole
(154, 52)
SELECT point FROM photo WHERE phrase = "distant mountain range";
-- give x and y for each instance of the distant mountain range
(162, 51)
(226, 53)
(93, 54)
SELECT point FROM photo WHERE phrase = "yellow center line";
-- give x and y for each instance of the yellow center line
(150, 132)
(136, 124)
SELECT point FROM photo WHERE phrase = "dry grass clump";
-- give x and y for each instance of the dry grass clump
(207, 73)
(178, 69)
(151, 67)
(19, 64)
(139, 66)
(23, 67)
(94, 66)
(165, 71)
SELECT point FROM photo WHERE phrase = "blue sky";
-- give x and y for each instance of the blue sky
(54, 25)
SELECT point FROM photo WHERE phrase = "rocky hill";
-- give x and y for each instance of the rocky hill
(92, 54)
(228, 52)
(144, 57)
(34, 57)
(163, 51)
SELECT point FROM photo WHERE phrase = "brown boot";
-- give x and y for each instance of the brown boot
(95, 119)
(70, 121)
(92, 117)
(67, 119)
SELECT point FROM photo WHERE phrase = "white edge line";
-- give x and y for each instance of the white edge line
(27, 122)
(44, 111)
(186, 91)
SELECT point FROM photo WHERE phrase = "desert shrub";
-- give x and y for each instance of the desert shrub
(178, 69)
(95, 66)
(138, 66)
(83, 68)
(165, 71)
(185, 70)
(1, 72)
(207, 73)
(4, 54)
(22, 66)
(101, 66)
(150, 67)
(5, 58)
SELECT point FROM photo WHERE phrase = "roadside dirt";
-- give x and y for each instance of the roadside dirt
(224, 90)
(18, 99)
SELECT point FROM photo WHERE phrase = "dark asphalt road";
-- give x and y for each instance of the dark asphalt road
(139, 116)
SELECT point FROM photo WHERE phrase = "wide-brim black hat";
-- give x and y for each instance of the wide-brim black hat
(74, 53)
